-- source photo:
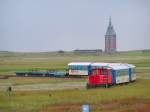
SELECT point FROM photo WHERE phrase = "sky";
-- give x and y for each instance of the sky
(51, 25)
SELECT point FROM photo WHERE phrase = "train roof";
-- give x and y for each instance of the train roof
(115, 66)
(79, 63)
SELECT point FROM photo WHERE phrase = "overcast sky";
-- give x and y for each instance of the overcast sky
(49, 25)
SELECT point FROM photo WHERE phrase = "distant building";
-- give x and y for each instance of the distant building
(93, 51)
(61, 51)
(110, 39)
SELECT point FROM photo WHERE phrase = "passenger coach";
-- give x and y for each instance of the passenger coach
(79, 68)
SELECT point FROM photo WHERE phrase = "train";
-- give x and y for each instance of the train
(103, 74)
(97, 73)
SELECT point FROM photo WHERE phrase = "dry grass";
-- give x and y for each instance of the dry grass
(124, 105)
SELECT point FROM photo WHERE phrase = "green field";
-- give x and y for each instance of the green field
(68, 95)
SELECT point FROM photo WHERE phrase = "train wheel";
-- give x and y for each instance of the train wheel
(106, 86)
(88, 86)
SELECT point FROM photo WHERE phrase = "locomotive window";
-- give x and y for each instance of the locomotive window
(95, 72)
(104, 71)
(109, 72)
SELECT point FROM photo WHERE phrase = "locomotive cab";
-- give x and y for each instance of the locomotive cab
(100, 77)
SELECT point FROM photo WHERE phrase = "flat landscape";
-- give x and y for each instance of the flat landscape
(37, 94)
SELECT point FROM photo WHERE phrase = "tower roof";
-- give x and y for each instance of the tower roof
(110, 29)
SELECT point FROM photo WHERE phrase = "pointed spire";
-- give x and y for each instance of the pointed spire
(110, 29)
(109, 20)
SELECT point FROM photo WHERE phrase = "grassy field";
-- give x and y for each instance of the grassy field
(68, 95)
(11, 62)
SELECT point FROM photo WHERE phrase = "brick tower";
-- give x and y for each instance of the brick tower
(110, 39)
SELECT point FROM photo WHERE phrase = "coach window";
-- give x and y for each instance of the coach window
(132, 70)
(83, 67)
(73, 67)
